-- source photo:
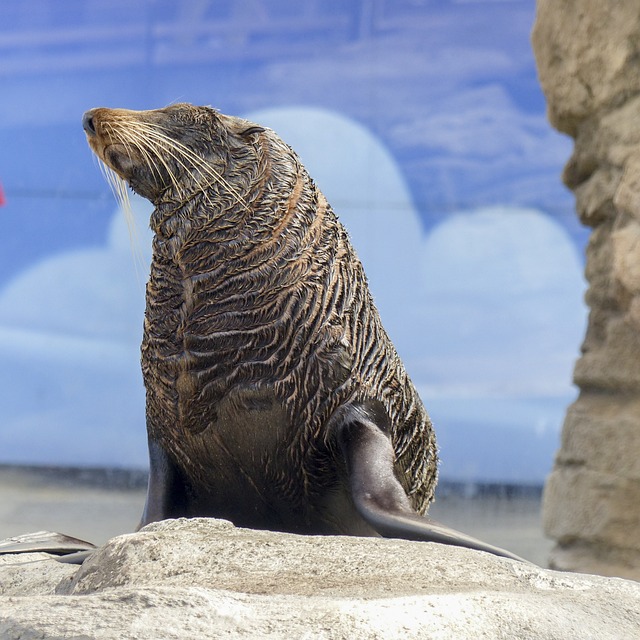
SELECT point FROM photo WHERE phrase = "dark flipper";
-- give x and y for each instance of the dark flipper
(71, 550)
(166, 492)
(380, 498)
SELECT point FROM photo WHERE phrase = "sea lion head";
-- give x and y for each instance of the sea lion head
(169, 154)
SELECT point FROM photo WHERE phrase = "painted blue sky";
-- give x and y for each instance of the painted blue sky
(422, 122)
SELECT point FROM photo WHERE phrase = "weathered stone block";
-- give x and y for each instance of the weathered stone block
(587, 53)
(581, 504)
(626, 257)
(627, 195)
(604, 560)
(603, 436)
(634, 313)
(599, 266)
(618, 134)
(615, 365)
(594, 197)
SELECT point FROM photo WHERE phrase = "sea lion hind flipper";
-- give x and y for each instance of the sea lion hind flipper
(67, 548)
(380, 498)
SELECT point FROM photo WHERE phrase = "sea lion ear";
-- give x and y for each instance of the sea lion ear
(251, 130)
(241, 127)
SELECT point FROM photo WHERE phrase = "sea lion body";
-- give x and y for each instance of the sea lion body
(275, 397)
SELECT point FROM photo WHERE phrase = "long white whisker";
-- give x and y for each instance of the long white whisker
(121, 192)
(149, 150)
(169, 144)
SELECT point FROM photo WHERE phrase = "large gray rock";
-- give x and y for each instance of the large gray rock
(587, 53)
(206, 579)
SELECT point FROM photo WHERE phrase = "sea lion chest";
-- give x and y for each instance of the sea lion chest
(241, 359)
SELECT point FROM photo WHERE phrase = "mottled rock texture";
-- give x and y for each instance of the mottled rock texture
(206, 579)
(588, 56)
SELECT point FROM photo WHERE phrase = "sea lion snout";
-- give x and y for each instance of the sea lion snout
(88, 124)
(128, 142)
(93, 121)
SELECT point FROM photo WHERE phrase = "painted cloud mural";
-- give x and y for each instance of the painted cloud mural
(488, 319)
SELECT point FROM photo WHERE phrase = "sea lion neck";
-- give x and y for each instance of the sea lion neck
(237, 212)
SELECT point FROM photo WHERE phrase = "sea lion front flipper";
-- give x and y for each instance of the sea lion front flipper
(380, 498)
(167, 495)
(67, 548)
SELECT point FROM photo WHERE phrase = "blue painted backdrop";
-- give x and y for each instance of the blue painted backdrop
(422, 122)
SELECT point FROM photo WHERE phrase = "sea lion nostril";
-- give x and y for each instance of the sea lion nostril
(88, 124)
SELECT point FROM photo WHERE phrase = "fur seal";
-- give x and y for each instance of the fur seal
(275, 398)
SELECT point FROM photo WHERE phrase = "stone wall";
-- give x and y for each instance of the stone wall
(588, 57)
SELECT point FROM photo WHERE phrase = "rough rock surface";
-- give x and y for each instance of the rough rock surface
(587, 53)
(204, 578)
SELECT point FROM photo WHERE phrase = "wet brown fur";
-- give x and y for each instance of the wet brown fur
(257, 306)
